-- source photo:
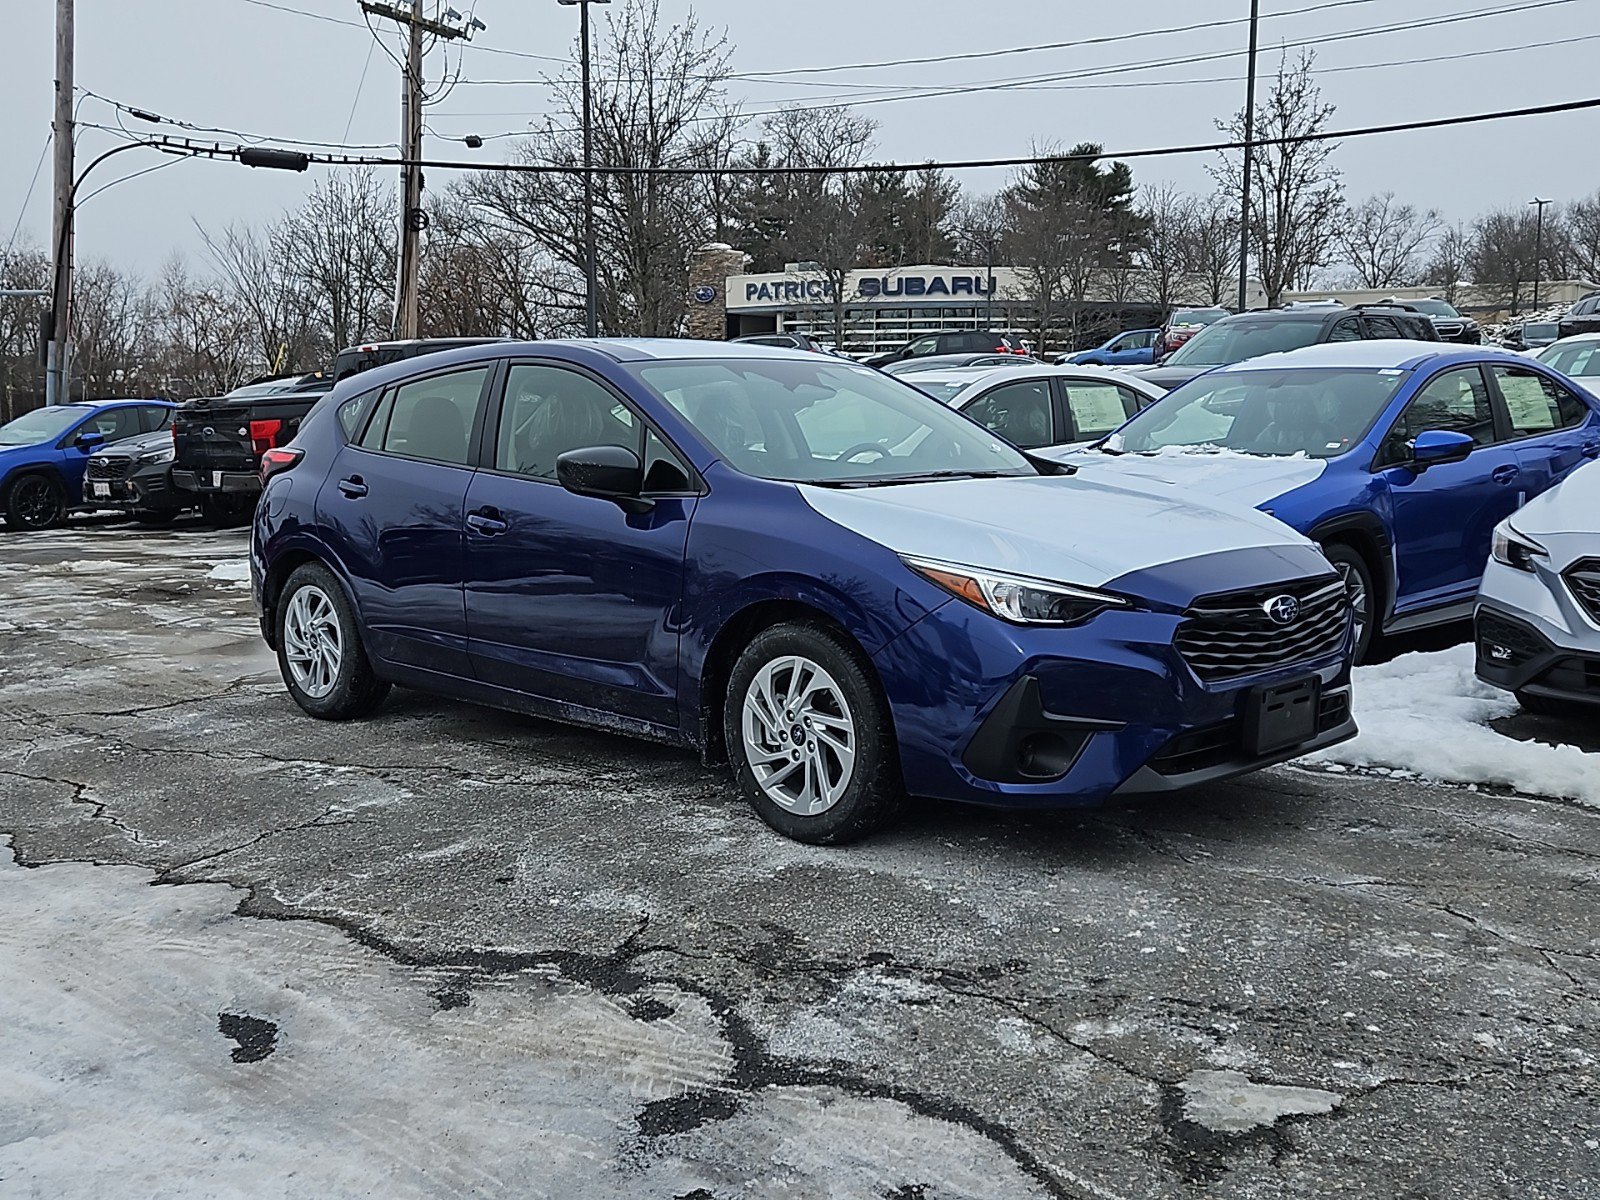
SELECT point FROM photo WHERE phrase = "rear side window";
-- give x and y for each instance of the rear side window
(1536, 404)
(154, 418)
(1379, 326)
(353, 411)
(1097, 408)
(1347, 330)
(431, 418)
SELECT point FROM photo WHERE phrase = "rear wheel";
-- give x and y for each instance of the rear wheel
(36, 502)
(319, 649)
(227, 509)
(809, 738)
(1363, 593)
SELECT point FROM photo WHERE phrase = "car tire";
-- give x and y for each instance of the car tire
(1357, 575)
(1542, 706)
(320, 654)
(35, 502)
(226, 510)
(848, 783)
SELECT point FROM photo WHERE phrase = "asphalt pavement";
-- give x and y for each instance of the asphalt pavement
(1298, 984)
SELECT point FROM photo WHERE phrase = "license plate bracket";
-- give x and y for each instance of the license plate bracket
(1281, 716)
(100, 491)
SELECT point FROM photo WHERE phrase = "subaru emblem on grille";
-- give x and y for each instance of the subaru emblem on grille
(208, 432)
(1282, 609)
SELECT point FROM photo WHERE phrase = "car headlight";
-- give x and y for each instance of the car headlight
(1016, 598)
(165, 454)
(1514, 549)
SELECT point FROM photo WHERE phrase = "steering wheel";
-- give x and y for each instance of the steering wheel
(863, 448)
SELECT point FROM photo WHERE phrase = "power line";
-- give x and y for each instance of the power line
(23, 212)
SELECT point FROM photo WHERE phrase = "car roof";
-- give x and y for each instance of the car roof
(973, 377)
(1374, 355)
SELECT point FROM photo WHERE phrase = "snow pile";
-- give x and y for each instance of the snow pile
(1428, 715)
(231, 572)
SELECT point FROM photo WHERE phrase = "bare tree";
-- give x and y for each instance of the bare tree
(1501, 255)
(256, 276)
(659, 101)
(1164, 257)
(1213, 259)
(339, 248)
(111, 319)
(1583, 237)
(1383, 240)
(202, 341)
(1447, 267)
(1296, 195)
(21, 374)
(482, 279)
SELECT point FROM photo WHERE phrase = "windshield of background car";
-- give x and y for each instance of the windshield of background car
(1434, 308)
(1225, 344)
(1197, 316)
(825, 422)
(1540, 329)
(1572, 358)
(942, 390)
(1321, 413)
(41, 425)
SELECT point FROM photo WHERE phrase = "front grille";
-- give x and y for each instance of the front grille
(1223, 743)
(1583, 578)
(1504, 643)
(109, 469)
(1232, 634)
(1449, 329)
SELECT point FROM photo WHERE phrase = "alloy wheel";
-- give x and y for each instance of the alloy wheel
(34, 501)
(313, 642)
(799, 735)
(1360, 599)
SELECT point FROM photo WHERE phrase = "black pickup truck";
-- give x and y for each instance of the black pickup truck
(219, 442)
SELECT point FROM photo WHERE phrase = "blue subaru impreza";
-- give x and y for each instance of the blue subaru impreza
(1399, 458)
(797, 563)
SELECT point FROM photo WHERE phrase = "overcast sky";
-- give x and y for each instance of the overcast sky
(245, 66)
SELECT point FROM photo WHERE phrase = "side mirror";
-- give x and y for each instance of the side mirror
(89, 440)
(607, 472)
(1432, 447)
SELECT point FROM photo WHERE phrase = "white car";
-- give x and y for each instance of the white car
(1032, 405)
(1577, 357)
(1538, 611)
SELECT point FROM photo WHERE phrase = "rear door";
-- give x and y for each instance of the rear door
(1553, 430)
(394, 509)
(1444, 516)
(1024, 413)
(570, 597)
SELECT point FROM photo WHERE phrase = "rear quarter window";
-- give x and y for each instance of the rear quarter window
(353, 413)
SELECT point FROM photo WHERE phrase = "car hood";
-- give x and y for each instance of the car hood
(132, 447)
(1070, 529)
(1573, 506)
(1245, 479)
(1168, 377)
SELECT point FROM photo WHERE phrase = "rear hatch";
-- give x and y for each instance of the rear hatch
(229, 435)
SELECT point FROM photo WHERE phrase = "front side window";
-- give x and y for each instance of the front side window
(1321, 413)
(114, 424)
(825, 421)
(1230, 342)
(432, 418)
(1019, 412)
(549, 411)
(1536, 404)
(1098, 408)
(1456, 401)
(927, 345)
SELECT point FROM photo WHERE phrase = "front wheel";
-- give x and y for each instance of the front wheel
(319, 649)
(809, 738)
(1363, 593)
(36, 502)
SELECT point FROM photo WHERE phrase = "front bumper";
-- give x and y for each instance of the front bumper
(216, 481)
(1531, 635)
(147, 489)
(1018, 717)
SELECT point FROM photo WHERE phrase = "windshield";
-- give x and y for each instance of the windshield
(1198, 316)
(1319, 413)
(1235, 341)
(41, 425)
(1539, 329)
(1572, 358)
(826, 422)
(1434, 308)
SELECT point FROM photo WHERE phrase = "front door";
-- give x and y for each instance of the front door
(393, 511)
(1444, 516)
(570, 597)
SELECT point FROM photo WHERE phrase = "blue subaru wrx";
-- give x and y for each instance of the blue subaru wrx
(45, 453)
(796, 562)
(1398, 458)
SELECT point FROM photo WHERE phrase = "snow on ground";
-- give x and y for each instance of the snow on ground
(231, 572)
(1428, 715)
(157, 1043)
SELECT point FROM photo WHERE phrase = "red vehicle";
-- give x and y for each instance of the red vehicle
(1183, 324)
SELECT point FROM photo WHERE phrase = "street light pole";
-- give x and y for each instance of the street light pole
(1538, 248)
(591, 321)
(1249, 158)
(57, 380)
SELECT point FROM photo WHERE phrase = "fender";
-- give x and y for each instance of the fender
(1369, 525)
(302, 541)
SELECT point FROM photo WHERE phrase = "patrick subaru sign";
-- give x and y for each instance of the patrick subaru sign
(928, 285)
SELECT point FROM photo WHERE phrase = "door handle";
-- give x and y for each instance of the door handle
(486, 522)
(1591, 450)
(1505, 474)
(354, 487)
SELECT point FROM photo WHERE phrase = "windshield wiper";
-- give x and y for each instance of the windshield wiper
(932, 477)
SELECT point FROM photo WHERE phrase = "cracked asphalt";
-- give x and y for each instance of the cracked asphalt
(1295, 985)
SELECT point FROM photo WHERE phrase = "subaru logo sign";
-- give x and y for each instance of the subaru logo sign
(705, 294)
(1282, 609)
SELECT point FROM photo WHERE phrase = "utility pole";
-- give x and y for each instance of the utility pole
(413, 218)
(1249, 159)
(1538, 249)
(58, 378)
